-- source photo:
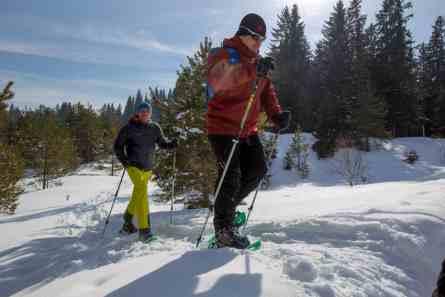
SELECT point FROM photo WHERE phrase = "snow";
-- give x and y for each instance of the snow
(321, 237)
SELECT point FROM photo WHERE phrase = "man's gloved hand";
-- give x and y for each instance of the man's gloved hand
(437, 294)
(264, 66)
(282, 119)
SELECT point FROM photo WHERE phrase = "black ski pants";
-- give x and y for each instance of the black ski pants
(245, 172)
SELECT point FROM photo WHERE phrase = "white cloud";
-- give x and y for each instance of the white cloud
(308, 8)
(139, 39)
(55, 50)
(87, 42)
(21, 48)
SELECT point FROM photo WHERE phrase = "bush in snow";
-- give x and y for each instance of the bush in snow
(267, 140)
(351, 166)
(300, 151)
(268, 143)
(288, 161)
(411, 157)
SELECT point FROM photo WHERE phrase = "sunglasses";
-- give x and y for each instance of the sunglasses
(256, 36)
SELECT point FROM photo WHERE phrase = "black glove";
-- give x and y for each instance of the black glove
(264, 66)
(282, 119)
(441, 287)
(173, 144)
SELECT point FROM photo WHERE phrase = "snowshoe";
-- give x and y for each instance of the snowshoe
(240, 219)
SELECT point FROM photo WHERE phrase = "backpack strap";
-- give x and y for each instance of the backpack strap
(234, 58)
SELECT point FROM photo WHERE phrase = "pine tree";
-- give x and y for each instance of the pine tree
(110, 119)
(291, 53)
(393, 70)
(138, 100)
(423, 74)
(88, 137)
(367, 110)
(47, 146)
(332, 62)
(431, 71)
(11, 165)
(184, 116)
(5, 95)
(298, 154)
(157, 95)
(128, 110)
(11, 170)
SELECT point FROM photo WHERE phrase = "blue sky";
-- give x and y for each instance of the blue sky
(102, 51)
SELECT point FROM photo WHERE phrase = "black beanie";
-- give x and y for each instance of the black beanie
(252, 22)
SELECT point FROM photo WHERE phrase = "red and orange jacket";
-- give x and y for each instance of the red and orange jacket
(231, 80)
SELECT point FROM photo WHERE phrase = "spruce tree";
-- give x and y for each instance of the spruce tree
(128, 110)
(11, 170)
(424, 81)
(431, 71)
(47, 145)
(367, 110)
(332, 62)
(5, 95)
(160, 95)
(291, 53)
(138, 99)
(110, 119)
(393, 70)
(11, 165)
(88, 137)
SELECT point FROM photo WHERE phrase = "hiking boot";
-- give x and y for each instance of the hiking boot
(229, 237)
(145, 235)
(128, 227)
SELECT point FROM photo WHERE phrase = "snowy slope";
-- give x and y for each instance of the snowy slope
(320, 236)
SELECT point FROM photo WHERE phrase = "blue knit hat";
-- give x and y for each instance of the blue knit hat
(144, 106)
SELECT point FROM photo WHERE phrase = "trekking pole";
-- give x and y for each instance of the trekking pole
(173, 187)
(227, 164)
(269, 157)
(112, 205)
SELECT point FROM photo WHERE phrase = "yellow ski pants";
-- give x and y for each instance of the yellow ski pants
(138, 205)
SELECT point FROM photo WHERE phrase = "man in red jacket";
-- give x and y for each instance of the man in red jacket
(235, 73)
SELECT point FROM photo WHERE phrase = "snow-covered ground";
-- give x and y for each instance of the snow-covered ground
(320, 236)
